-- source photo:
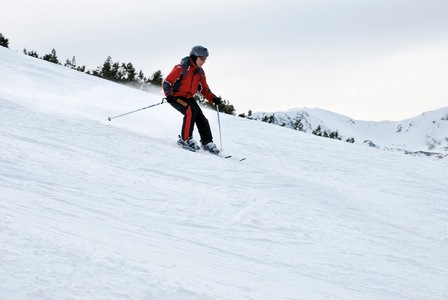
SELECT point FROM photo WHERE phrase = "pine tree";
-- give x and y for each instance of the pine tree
(141, 77)
(156, 78)
(226, 107)
(51, 57)
(298, 125)
(130, 74)
(335, 135)
(31, 53)
(116, 72)
(350, 140)
(317, 131)
(4, 42)
(81, 69)
(106, 71)
(70, 64)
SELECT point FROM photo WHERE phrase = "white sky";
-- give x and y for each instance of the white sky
(366, 59)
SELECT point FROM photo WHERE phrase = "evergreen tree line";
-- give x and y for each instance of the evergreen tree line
(124, 73)
(330, 134)
(127, 74)
(298, 125)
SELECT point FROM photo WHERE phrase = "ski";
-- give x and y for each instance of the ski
(230, 157)
(234, 158)
(220, 155)
(188, 148)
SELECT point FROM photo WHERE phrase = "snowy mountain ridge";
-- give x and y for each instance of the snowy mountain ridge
(426, 134)
(92, 209)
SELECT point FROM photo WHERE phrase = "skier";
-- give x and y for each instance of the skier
(184, 81)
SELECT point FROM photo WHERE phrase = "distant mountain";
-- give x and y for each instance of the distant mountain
(426, 134)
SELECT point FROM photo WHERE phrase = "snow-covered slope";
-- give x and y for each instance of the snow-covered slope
(91, 209)
(427, 132)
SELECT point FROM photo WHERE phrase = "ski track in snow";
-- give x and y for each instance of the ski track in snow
(92, 209)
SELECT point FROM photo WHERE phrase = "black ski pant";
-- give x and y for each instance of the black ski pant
(192, 115)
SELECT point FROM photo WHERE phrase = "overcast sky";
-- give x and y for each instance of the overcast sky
(366, 59)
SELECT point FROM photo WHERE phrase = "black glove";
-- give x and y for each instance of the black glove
(170, 99)
(217, 100)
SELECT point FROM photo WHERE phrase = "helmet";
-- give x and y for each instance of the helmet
(199, 51)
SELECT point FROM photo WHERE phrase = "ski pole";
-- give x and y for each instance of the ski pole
(110, 118)
(219, 125)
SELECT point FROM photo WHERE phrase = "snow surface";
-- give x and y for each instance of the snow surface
(92, 209)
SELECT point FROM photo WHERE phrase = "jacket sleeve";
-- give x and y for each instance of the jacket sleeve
(169, 81)
(205, 91)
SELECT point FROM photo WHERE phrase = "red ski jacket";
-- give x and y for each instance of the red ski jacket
(185, 80)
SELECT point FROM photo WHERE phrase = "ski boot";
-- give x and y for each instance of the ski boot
(190, 144)
(211, 147)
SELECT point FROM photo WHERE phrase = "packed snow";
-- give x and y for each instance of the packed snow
(92, 209)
